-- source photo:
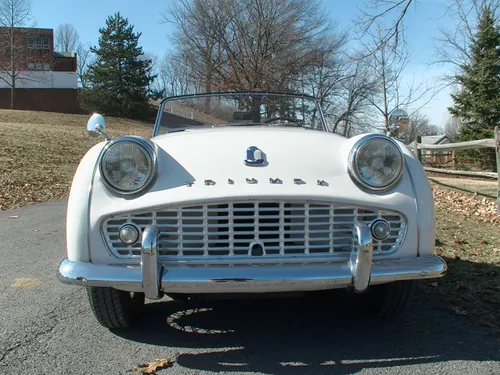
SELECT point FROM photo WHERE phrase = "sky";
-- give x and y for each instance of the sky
(422, 27)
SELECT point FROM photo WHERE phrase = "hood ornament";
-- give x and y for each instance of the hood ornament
(255, 157)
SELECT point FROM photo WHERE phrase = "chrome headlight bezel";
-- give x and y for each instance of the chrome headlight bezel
(147, 147)
(355, 174)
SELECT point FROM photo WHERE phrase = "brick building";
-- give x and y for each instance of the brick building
(45, 80)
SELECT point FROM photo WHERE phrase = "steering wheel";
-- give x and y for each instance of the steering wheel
(279, 118)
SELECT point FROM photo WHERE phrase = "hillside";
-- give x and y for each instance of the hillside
(39, 152)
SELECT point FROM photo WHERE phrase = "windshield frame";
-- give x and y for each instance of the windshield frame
(225, 93)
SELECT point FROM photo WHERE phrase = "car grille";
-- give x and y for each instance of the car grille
(282, 229)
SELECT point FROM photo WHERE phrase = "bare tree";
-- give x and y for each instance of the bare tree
(14, 14)
(388, 63)
(395, 11)
(253, 45)
(452, 127)
(83, 61)
(452, 47)
(66, 38)
(357, 88)
(419, 126)
(174, 76)
(323, 78)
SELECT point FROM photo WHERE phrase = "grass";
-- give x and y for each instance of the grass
(487, 188)
(39, 153)
(471, 286)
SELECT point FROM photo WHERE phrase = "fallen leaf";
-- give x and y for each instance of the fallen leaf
(13, 217)
(25, 283)
(484, 242)
(152, 367)
(459, 311)
(435, 285)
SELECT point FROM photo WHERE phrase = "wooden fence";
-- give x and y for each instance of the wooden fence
(482, 143)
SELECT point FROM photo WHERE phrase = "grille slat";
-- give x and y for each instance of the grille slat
(284, 229)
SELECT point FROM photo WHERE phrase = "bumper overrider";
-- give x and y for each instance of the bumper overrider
(154, 278)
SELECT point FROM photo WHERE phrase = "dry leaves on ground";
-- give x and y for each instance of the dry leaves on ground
(479, 210)
(152, 367)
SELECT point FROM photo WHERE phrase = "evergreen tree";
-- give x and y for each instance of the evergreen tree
(478, 103)
(119, 79)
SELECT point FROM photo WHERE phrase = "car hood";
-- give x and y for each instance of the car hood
(219, 154)
(206, 166)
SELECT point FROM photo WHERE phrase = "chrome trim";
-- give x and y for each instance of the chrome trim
(96, 125)
(258, 243)
(99, 129)
(250, 279)
(215, 94)
(148, 148)
(354, 173)
(150, 268)
(414, 189)
(360, 262)
(152, 215)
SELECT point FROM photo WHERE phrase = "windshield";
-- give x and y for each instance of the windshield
(239, 109)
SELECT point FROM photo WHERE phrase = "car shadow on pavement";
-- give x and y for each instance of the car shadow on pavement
(307, 335)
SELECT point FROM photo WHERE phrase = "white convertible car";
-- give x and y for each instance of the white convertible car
(240, 193)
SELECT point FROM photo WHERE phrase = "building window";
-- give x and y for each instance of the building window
(30, 42)
(38, 43)
(39, 67)
(46, 67)
(46, 43)
(31, 66)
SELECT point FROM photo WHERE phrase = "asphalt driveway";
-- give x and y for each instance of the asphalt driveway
(47, 327)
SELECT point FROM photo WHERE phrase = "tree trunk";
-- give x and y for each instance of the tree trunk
(12, 95)
(12, 71)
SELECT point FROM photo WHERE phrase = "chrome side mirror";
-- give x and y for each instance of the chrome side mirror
(398, 122)
(96, 126)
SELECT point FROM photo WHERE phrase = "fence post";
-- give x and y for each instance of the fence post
(418, 140)
(497, 151)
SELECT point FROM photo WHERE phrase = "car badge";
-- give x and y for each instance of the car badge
(255, 157)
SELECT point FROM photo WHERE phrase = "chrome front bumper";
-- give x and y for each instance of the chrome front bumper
(154, 279)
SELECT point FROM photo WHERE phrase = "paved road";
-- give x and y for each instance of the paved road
(47, 327)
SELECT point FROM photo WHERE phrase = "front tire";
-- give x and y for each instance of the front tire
(386, 300)
(115, 309)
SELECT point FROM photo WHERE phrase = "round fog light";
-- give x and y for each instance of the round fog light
(380, 230)
(129, 234)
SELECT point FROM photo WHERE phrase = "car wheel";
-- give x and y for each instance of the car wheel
(386, 300)
(115, 308)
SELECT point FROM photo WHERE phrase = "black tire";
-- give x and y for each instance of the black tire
(386, 300)
(115, 309)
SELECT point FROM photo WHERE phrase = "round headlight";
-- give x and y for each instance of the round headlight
(376, 162)
(128, 165)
